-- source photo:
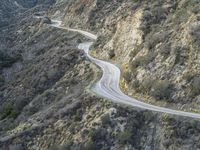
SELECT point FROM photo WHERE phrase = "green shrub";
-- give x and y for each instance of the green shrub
(159, 14)
(54, 147)
(148, 115)
(32, 110)
(142, 60)
(195, 10)
(9, 111)
(194, 81)
(136, 85)
(165, 50)
(80, 10)
(132, 54)
(100, 40)
(194, 30)
(147, 85)
(111, 54)
(195, 86)
(16, 147)
(124, 137)
(78, 116)
(177, 51)
(165, 117)
(189, 76)
(134, 64)
(6, 60)
(105, 119)
(152, 39)
(1, 81)
(20, 104)
(147, 15)
(67, 146)
(89, 145)
(127, 76)
(95, 134)
(162, 90)
(152, 16)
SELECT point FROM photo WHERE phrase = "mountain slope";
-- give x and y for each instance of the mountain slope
(155, 42)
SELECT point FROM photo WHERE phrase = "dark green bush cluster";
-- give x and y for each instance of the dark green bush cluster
(124, 137)
(178, 131)
(165, 50)
(194, 30)
(131, 131)
(6, 60)
(99, 41)
(105, 119)
(111, 54)
(194, 81)
(127, 76)
(136, 85)
(9, 111)
(16, 147)
(80, 10)
(1, 81)
(142, 60)
(195, 87)
(153, 14)
(152, 39)
(178, 51)
(96, 134)
(162, 90)
(147, 85)
(67, 146)
(89, 145)
(12, 110)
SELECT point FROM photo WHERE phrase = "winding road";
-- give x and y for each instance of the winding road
(108, 85)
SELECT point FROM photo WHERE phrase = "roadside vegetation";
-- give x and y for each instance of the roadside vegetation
(6, 60)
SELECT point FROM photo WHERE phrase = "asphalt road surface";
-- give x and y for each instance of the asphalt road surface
(108, 85)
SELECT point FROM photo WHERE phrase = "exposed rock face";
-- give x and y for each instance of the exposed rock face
(126, 37)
